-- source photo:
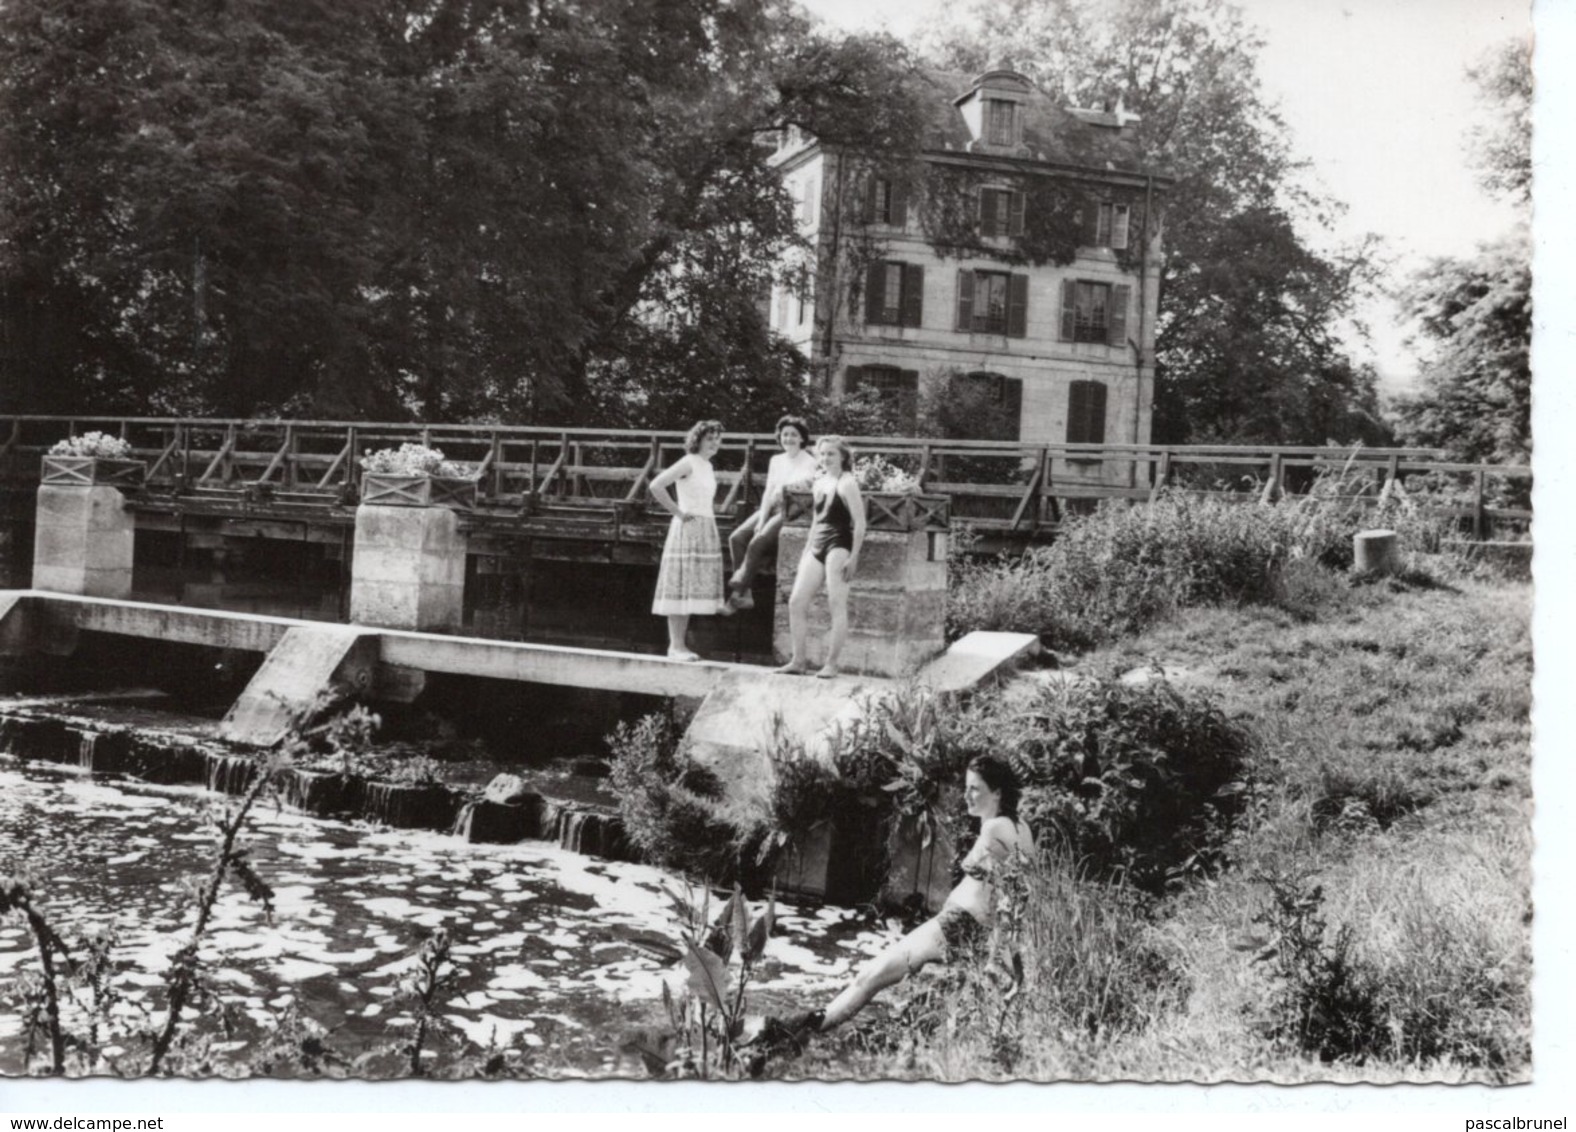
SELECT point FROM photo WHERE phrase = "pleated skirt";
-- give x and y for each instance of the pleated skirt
(690, 577)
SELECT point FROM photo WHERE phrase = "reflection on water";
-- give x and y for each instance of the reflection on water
(547, 942)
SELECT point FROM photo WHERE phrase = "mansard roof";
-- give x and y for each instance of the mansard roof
(1095, 139)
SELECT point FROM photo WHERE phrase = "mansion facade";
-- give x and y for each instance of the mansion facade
(1016, 267)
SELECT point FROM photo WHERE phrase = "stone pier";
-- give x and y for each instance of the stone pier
(83, 541)
(408, 569)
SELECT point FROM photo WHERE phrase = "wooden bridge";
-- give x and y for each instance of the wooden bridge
(581, 493)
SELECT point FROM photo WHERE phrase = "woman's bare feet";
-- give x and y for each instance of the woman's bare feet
(792, 668)
(682, 654)
(829, 671)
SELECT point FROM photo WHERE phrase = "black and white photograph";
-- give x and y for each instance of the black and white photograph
(759, 541)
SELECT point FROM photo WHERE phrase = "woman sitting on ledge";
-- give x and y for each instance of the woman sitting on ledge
(991, 792)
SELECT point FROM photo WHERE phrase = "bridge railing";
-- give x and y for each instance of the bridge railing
(1012, 487)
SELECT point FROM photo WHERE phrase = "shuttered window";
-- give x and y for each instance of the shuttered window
(1112, 224)
(1001, 212)
(886, 202)
(894, 294)
(1001, 122)
(1086, 412)
(993, 302)
(1095, 312)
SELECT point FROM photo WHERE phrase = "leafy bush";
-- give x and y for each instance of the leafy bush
(93, 444)
(673, 809)
(1139, 782)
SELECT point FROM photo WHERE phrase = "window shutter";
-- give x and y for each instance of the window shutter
(1015, 216)
(1091, 222)
(1077, 411)
(987, 213)
(1069, 308)
(1120, 217)
(913, 294)
(965, 300)
(875, 291)
(1096, 422)
(1102, 225)
(872, 195)
(1116, 316)
(1012, 407)
(899, 205)
(908, 399)
(1017, 306)
(782, 306)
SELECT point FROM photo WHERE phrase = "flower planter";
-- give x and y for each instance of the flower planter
(93, 471)
(903, 512)
(391, 489)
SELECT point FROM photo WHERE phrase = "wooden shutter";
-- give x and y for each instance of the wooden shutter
(782, 306)
(965, 300)
(899, 205)
(1120, 217)
(1017, 306)
(1069, 309)
(872, 196)
(1015, 214)
(1102, 225)
(908, 399)
(1096, 407)
(875, 291)
(1012, 408)
(807, 213)
(1086, 412)
(913, 294)
(1091, 222)
(1116, 315)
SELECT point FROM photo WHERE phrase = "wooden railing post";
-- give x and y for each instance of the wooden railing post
(1272, 488)
(1479, 514)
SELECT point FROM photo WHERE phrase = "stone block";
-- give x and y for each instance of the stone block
(919, 865)
(84, 542)
(408, 568)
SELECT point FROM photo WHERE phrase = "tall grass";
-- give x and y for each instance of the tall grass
(1121, 569)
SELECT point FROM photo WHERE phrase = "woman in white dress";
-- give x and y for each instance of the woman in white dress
(689, 581)
(793, 467)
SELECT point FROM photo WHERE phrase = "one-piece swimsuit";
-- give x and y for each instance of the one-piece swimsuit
(834, 525)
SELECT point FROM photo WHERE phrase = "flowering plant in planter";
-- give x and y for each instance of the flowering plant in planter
(92, 458)
(874, 473)
(415, 475)
(95, 445)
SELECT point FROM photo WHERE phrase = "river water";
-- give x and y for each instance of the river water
(555, 954)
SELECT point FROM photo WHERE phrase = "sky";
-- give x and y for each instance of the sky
(1377, 100)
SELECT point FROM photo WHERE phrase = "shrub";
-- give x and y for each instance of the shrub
(93, 444)
(673, 809)
(876, 473)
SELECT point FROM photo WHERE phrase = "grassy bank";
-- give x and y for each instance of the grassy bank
(1371, 916)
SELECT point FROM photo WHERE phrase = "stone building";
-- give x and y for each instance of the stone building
(1003, 286)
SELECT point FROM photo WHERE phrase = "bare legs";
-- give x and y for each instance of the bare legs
(678, 630)
(749, 544)
(924, 944)
(807, 580)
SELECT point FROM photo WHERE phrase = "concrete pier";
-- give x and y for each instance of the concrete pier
(408, 568)
(83, 541)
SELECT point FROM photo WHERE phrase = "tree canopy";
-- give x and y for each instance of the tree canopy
(457, 209)
(1474, 314)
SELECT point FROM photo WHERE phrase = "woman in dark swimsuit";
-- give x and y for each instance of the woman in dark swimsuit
(831, 553)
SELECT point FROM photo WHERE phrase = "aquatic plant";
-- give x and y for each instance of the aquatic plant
(707, 1018)
(40, 993)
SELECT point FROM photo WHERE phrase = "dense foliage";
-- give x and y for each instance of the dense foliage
(408, 207)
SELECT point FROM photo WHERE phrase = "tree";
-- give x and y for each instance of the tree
(1250, 337)
(452, 209)
(1474, 316)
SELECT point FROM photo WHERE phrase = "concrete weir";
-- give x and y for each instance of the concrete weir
(743, 709)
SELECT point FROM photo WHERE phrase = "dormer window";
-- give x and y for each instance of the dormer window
(1001, 122)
